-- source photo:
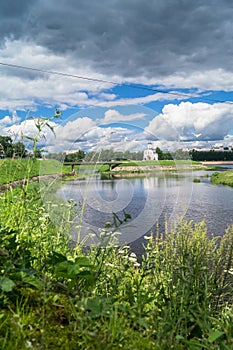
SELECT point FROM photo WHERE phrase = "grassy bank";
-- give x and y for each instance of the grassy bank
(224, 178)
(12, 170)
(52, 296)
(159, 162)
(152, 166)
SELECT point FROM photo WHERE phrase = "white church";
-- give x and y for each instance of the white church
(150, 153)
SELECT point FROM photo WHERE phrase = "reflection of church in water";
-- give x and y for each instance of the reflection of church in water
(150, 153)
(151, 182)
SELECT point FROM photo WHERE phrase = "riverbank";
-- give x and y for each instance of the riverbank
(217, 163)
(223, 178)
(18, 172)
(149, 167)
(23, 182)
(19, 169)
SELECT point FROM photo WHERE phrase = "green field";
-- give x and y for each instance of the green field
(224, 178)
(11, 170)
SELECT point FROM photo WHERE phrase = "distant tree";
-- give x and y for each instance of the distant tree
(19, 150)
(58, 156)
(106, 155)
(109, 154)
(74, 157)
(163, 155)
(167, 156)
(181, 155)
(160, 153)
(38, 153)
(211, 155)
(6, 146)
(133, 155)
(92, 156)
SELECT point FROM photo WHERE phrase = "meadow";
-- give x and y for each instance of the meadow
(57, 294)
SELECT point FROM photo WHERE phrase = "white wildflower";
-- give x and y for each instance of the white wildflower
(92, 235)
(147, 237)
(28, 344)
(118, 233)
(134, 260)
(136, 264)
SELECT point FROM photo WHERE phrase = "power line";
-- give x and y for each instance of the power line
(110, 82)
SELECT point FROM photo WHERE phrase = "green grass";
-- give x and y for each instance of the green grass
(196, 180)
(178, 295)
(104, 168)
(159, 162)
(224, 178)
(12, 170)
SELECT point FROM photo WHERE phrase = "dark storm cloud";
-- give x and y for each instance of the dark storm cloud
(128, 37)
(13, 17)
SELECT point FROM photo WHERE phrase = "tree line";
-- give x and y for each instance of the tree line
(10, 149)
(103, 155)
(211, 155)
(109, 154)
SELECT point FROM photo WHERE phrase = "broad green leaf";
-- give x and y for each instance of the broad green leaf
(6, 284)
(56, 258)
(33, 281)
(82, 261)
(214, 335)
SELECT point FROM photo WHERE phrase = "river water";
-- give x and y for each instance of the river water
(144, 204)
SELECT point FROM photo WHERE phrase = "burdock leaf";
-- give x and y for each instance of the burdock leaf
(6, 284)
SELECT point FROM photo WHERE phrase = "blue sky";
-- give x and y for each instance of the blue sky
(150, 78)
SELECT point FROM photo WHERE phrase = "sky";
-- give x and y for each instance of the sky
(122, 72)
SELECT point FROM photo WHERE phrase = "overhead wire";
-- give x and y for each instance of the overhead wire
(135, 86)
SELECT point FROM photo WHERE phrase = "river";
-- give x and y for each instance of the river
(153, 202)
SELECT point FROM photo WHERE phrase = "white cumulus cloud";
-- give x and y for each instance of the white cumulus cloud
(192, 121)
(113, 116)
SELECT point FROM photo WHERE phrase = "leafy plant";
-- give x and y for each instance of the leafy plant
(40, 124)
